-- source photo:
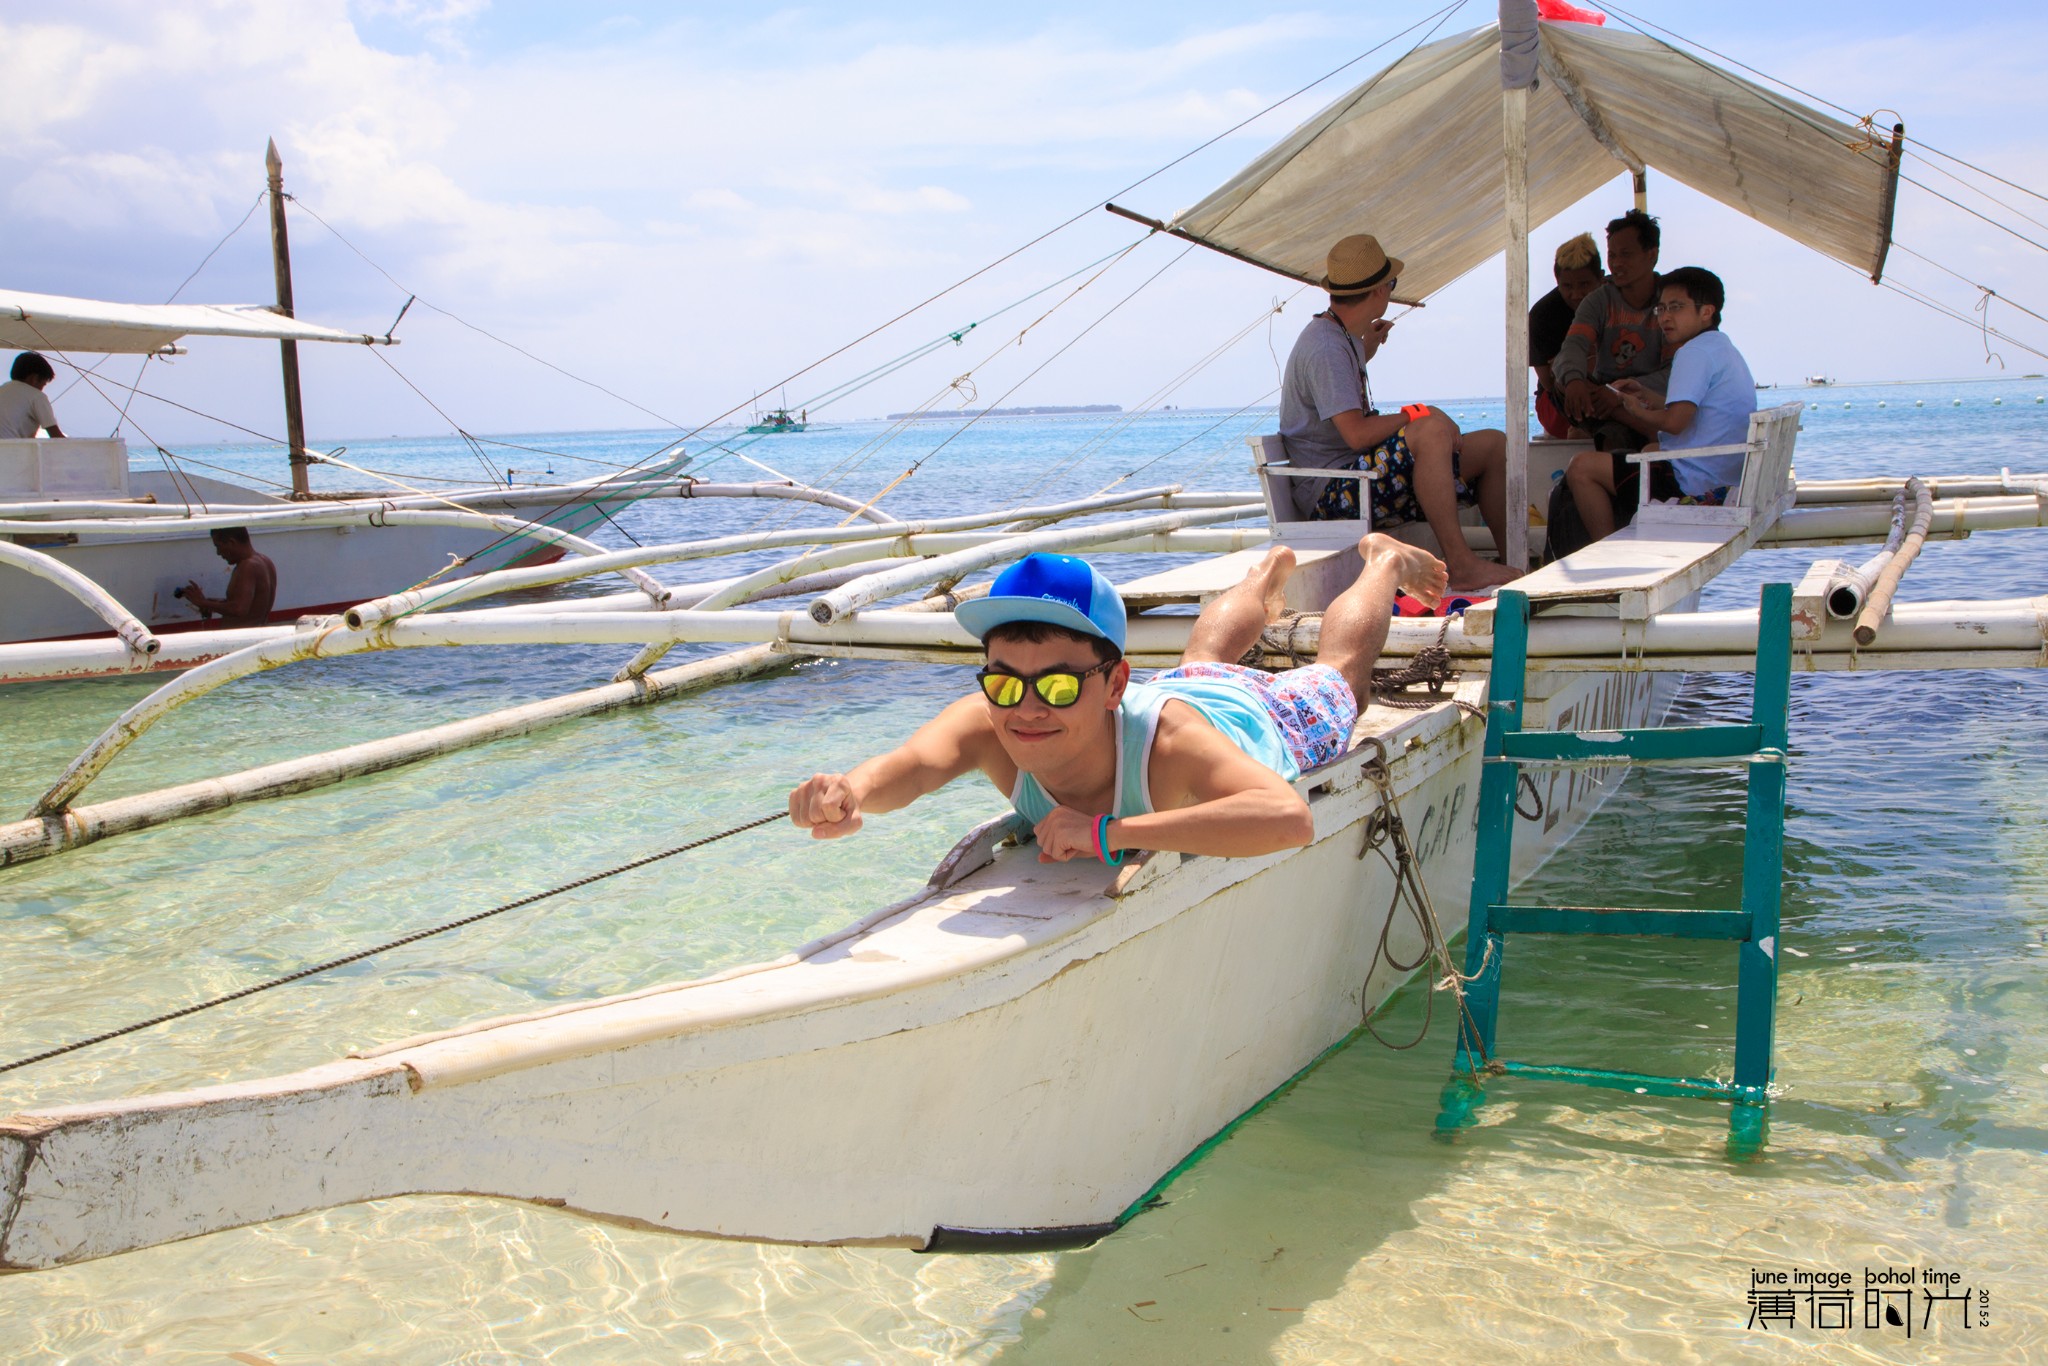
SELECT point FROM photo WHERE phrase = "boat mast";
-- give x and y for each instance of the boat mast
(281, 258)
(1518, 47)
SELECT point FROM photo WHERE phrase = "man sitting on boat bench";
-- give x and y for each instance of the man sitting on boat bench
(1198, 759)
(1423, 466)
(1710, 399)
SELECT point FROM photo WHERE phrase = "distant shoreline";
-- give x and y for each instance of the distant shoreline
(1043, 410)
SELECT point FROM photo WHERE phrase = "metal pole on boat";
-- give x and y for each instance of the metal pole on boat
(1518, 46)
(281, 258)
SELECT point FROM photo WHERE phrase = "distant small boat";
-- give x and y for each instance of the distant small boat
(1820, 379)
(767, 424)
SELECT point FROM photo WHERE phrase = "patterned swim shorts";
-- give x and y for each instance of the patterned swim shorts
(1312, 705)
(1393, 491)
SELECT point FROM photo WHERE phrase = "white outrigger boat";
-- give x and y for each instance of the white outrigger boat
(1021, 1054)
(89, 545)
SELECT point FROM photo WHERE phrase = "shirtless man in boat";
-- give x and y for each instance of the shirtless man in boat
(252, 582)
(1198, 759)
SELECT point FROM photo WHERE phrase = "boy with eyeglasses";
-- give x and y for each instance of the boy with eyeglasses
(1708, 403)
(1199, 759)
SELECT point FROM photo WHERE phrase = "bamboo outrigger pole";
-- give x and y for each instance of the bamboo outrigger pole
(281, 260)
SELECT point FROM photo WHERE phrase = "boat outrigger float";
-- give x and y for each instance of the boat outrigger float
(1021, 1054)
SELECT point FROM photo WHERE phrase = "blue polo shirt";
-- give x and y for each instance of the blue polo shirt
(1710, 373)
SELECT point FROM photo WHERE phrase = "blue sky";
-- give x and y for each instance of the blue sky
(687, 204)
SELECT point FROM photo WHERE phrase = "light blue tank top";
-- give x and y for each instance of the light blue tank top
(1231, 709)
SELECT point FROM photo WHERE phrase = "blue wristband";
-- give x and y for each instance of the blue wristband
(1102, 842)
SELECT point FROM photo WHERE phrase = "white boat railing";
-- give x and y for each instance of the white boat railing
(387, 625)
(139, 640)
(862, 592)
(507, 580)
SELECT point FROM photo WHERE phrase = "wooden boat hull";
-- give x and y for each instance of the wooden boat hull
(1018, 1053)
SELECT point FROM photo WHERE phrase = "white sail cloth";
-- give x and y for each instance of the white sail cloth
(1414, 157)
(47, 322)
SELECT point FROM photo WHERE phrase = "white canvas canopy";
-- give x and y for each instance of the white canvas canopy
(48, 322)
(1414, 157)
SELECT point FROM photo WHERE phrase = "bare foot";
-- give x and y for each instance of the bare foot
(1275, 570)
(1481, 574)
(1417, 573)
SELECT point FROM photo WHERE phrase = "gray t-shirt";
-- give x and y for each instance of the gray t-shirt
(24, 409)
(1325, 376)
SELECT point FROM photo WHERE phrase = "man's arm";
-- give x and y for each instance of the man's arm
(1369, 345)
(241, 594)
(956, 741)
(1213, 797)
(1574, 359)
(45, 415)
(1363, 433)
(1644, 410)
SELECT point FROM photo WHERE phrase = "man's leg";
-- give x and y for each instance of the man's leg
(1355, 625)
(1590, 477)
(1230, 622)
(1436, 490)
(1483, 463)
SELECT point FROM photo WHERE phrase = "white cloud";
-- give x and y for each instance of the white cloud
(692, 207)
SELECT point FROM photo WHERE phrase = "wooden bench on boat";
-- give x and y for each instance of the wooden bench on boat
(1670, 550)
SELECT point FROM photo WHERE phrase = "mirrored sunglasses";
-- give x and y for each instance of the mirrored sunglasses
(1055, 687)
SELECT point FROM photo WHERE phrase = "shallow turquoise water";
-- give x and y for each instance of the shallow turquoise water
(1330, 1227)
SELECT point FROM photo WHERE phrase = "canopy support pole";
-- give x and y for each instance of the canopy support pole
(1515, 137)
(281, 259)
(1643, 191)
(1891, 198)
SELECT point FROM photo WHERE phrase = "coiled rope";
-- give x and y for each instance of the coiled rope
(385, 947)
(1385, 830)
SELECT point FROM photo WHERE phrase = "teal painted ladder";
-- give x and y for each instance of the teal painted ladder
(1753, 928)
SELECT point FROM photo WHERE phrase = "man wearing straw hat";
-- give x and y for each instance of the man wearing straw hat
(1200, 758)
(1424, 466)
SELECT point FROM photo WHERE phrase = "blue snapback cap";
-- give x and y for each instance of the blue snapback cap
(1060, 590)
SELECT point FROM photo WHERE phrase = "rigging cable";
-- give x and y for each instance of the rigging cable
(1034, 373)
(967, 379)
(1439, 17)
(481, 331)
(258, 203)
(1644, 27)
(93, 382)
(1123, 423)
(490, 472)
(388, 945)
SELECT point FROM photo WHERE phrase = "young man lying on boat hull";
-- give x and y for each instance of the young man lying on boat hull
(1199, 759)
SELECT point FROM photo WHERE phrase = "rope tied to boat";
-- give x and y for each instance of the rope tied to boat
(1385, 830)
(388, 945)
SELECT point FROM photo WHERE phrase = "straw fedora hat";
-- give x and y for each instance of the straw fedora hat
(1355, 265)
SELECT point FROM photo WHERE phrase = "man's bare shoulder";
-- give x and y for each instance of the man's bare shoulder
(1186, 751)
(1183, 727)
